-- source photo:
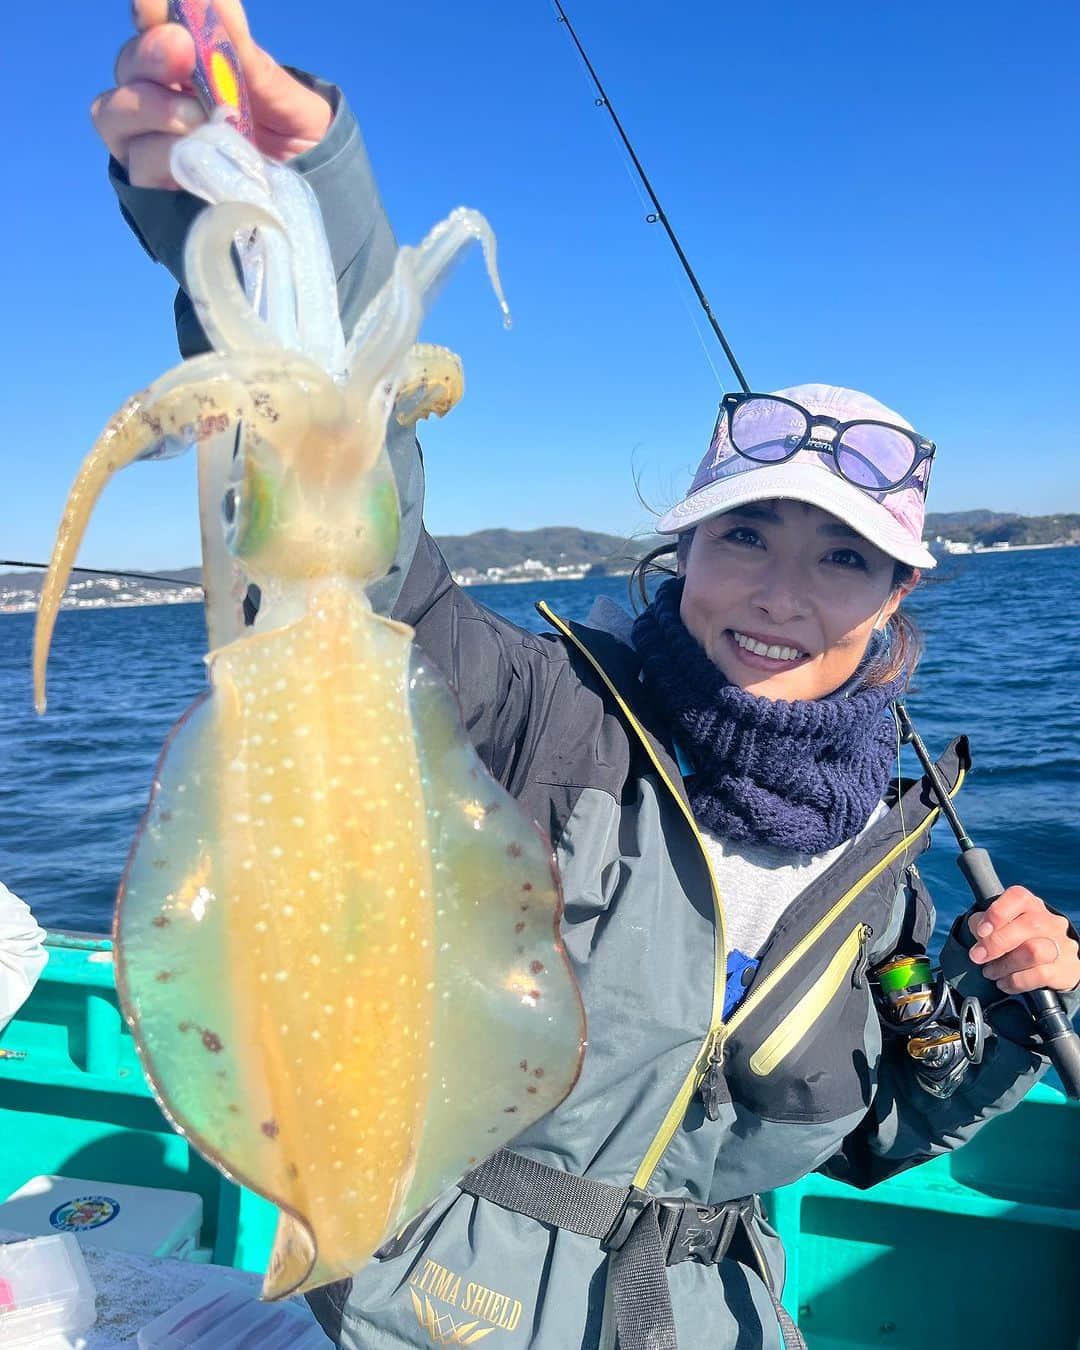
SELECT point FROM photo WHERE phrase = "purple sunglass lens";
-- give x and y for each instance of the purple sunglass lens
(874, 457)
(766, 430)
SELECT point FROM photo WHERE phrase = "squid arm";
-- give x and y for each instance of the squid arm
(378, 375)
(201, 398)
(227, 318)
(433, 382)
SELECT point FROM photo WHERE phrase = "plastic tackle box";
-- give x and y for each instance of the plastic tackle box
(45, 1290)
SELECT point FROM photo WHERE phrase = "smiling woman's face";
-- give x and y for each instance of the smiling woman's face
(784, 597)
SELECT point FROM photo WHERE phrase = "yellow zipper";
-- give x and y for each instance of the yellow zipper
(788, 1033)
(679, 1106)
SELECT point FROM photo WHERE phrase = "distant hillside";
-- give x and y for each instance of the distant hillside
(556, 546)
(1000, 527)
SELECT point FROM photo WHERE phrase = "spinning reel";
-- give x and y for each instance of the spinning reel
(945, 1036)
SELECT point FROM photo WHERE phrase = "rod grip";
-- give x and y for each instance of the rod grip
(1060, 1041)
(979, 872)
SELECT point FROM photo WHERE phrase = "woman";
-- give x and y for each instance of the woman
(716, 778)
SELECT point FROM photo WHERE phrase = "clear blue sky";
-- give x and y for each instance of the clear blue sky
(877, 195)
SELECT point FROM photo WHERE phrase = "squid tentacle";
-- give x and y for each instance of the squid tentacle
(374, 380)
(377, 353)
(228, 319)
(432, 382)
(441, 250)
(287, 263)
(194, 401)
(220, 166)
(427, 265)
(319, 334)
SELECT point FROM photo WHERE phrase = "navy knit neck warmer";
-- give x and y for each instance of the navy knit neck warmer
(804, 776)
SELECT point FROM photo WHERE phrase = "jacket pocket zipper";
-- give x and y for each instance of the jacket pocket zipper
(789, 1033)
(712, 1087)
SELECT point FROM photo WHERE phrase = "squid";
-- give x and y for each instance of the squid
(337, 936)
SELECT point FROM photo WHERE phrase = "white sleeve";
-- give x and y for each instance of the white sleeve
(22, 954)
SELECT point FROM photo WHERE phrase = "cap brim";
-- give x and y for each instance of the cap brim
(801, 483)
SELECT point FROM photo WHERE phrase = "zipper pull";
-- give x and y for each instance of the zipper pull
(858, 974)
(713, 1088)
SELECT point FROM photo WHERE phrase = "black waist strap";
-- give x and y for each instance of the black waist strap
(644, 1232)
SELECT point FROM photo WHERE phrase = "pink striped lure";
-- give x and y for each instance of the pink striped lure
(219, 82)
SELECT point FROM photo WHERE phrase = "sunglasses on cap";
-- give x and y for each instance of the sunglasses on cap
(875, 456)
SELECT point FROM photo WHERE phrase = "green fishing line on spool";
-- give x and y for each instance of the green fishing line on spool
(904, 973)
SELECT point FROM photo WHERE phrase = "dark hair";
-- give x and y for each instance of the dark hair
(905, 638)
(650, 568)
(905, 647)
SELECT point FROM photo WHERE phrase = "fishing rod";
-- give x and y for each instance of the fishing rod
(1060, 1041)
(106, 572)
(658, 215)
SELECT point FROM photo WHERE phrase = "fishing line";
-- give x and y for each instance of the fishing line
(106, 572)
(683, 298)
(657, 215)
(899, 779)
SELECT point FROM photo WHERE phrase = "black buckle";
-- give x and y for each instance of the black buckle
(697, 1232)
(688, 1231)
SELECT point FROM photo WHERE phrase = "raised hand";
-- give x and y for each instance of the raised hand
(153, 104)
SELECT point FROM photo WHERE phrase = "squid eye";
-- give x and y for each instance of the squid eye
(248, 505)
(232, 500)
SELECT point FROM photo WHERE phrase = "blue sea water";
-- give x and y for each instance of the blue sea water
(1002, 664)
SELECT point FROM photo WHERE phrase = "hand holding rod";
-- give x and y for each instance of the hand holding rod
(1060, 1041)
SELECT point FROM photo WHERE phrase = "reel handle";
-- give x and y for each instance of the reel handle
(1060, 1041)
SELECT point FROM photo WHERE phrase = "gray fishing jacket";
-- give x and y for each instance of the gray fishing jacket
(798, 1075)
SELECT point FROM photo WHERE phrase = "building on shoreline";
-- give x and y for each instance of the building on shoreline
(96, 593)
(954, 547)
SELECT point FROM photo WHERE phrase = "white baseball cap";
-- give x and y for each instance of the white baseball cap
(726, 478)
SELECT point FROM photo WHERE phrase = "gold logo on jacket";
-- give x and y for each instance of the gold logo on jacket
(485, 1310)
